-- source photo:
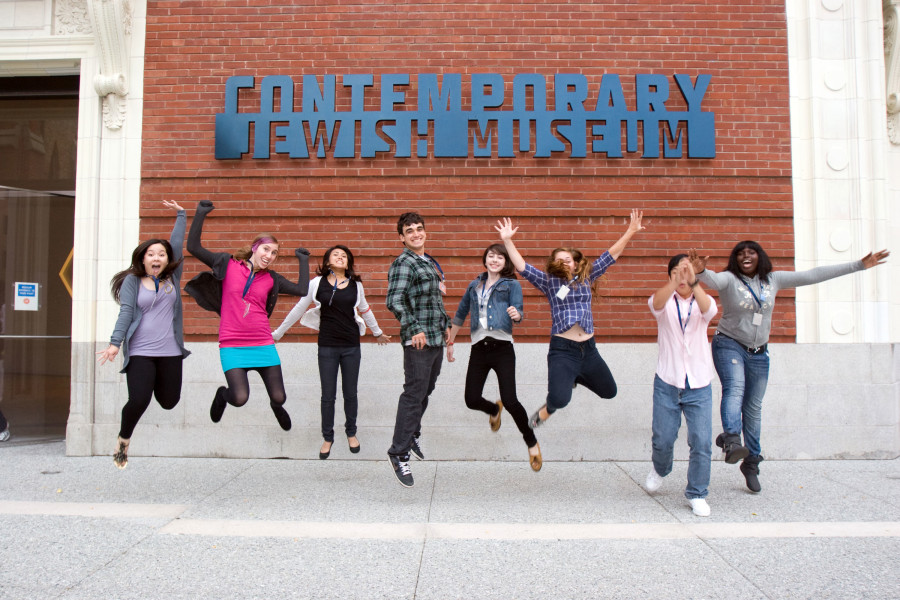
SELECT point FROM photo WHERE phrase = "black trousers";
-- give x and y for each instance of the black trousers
(499, 356)
(148, 376)
(420, 369)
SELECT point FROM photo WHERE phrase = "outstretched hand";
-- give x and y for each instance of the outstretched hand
(697, 263)
(172, 204)
(505, 229)
(874, 259)
(635, 224)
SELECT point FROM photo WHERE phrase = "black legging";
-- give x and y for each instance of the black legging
(238, 391)
(149, 376)
(500, 356)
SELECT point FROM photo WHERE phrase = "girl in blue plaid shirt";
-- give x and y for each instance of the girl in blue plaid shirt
(568, 284)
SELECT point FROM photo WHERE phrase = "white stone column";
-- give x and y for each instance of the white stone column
(838, 139)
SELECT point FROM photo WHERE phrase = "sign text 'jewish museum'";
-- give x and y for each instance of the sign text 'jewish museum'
(394, 115)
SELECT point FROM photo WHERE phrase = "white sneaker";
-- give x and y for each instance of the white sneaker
(654, 481)
(700, 507)
(4, 435)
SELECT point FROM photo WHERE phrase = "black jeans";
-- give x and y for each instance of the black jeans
(500, 356)
(347, 359)
(570, 362)
(420, 369)
(3, 423)
(148, 376)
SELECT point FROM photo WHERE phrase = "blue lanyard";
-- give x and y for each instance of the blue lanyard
(684, 323)
(437, 265)
(752, 293)
(336, 284)
(249, 280)
(155, 283)
(485, 294)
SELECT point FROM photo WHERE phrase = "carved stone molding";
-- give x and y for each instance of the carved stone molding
(892, 67)
(70, 17)
(111, 21)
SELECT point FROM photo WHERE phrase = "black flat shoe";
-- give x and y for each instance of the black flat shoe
(324, 455)
(354, 449)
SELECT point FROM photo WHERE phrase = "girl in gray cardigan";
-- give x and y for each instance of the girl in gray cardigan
(149, 330)
(747, 291)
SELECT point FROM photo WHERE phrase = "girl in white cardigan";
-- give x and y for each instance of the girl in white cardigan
(340, 314)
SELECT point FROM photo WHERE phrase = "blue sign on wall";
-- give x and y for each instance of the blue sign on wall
(412, 118)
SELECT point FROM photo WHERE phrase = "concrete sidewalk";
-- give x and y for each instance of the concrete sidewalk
(228, 528)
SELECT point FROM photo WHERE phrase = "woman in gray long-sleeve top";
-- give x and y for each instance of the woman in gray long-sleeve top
(149, 329)
(747, 291)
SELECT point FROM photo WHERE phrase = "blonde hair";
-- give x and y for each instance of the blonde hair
(246, 252)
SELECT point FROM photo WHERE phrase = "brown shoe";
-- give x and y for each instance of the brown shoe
(120, 458)
(495, 419)
(535, 459)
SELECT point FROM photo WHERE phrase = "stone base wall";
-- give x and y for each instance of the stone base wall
(823, 401)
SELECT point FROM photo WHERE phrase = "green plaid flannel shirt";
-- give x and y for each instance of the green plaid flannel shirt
(414, 296)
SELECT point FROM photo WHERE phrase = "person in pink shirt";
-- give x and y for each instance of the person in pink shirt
(682, 384)
(243, 289)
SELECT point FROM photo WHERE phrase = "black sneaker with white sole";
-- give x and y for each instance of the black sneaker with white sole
(400, 465)
(416, 448)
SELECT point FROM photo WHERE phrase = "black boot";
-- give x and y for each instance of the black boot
(730, 443)
(750, 469)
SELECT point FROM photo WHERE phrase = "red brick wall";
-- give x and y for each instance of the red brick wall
(744, 193)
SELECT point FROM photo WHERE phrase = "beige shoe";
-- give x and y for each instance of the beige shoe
(495, 419)
(535, 459)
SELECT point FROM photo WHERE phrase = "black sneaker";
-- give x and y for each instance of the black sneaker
(284, 419)
(218, 405)
(416, 448)
(400, 465)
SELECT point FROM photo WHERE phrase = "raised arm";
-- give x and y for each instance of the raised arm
(176, 239)
(194, 246)
(301, 288)
(507, 231)
(633, 227)
(690, 277)
(663, 294)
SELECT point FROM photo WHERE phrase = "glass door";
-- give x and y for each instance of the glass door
(38, 133)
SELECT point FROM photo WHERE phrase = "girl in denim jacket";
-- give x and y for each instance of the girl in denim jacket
(494, 299)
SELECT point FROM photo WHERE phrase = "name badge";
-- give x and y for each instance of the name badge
(757, 318)
(562, 292)
(482, 320)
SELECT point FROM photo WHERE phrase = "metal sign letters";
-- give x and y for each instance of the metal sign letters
(397, 116)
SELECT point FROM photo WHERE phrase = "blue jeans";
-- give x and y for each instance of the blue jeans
(347, 359)
(668, 404)
(744, 377)
(420, 370)
(570, 362)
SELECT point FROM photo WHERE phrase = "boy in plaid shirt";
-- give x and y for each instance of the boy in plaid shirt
(415, 286)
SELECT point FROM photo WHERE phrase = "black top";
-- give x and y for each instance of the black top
(337, 325)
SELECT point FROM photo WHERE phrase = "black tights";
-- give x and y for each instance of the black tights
(238, 391)
(148, 376)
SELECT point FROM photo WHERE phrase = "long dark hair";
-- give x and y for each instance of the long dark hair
(137, 265)
(508, 269)
(324, 269)
(763, 264)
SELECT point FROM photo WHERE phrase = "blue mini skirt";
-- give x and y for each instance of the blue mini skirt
(249, 357)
